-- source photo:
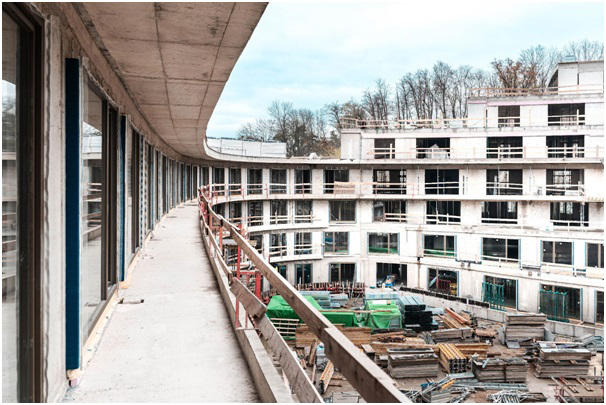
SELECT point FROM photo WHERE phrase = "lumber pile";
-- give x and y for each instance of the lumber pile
(395, 337)
(451, 358)
(470, 349)
(413, 363)
(450, 335)
(525, 327)
(358, 335)
(326, 376)
(509, 370)
(415, 314)
(453, 320)
(561, 362)
(410, 343)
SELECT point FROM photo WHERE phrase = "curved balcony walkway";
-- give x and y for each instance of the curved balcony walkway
(177, 346)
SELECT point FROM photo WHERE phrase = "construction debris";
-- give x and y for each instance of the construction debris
(451, 358)
(513, 397)
(500, 370)
(471, 349)
(413, 363)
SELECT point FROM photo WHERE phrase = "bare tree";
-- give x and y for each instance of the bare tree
(585, 50)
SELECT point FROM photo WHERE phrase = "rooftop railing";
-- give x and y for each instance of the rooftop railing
(513, 92)
(462, 123)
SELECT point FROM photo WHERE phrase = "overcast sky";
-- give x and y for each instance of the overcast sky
(315, 53)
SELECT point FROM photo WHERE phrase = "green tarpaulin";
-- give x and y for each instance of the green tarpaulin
(279, 308)
(389, 317)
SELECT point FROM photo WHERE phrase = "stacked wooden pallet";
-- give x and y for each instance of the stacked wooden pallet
(381, 348)
(510, 370)
(451, 358)
(358, 335)
(449, 335)
(562, 362)
(413, 363)
(525, 327)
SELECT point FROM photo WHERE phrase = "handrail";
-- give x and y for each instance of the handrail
(570, 89)
(364, 375)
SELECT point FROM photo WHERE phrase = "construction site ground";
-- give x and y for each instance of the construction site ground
(341, 391)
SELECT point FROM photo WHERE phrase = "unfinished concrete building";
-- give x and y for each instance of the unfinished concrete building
(107, 179)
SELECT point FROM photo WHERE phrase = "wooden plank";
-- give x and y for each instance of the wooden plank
(251, 303)
(326, 376)
(300, 382)
(371, 382)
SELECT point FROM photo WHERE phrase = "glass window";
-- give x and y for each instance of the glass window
(599, 309)
(595, 255)
(383, 243)
(336, 243)
(278, 181)
(439, 245)
(255, 181)
(566, 114)
(342, 211)
(235, 212)
(340, 272)
(11, 131)
(92, 186)
(302, 243)
(303, 273)
(303, 212)
(557, 252)
(500, 249)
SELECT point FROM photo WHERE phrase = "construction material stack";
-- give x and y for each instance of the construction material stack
(413, 363)
(415, 314)
(451, 335)
(525, 328)
(554, 361)
(451, 358)
(510, 370)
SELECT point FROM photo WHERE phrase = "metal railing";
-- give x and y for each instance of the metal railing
(508, 92)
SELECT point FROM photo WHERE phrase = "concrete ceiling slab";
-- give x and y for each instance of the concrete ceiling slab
(174, 59)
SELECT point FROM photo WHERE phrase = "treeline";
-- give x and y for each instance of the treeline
(439, 92)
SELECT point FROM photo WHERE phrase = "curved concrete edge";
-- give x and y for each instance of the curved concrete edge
(270, 385)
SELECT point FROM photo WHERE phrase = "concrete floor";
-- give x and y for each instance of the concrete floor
(177, 346)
